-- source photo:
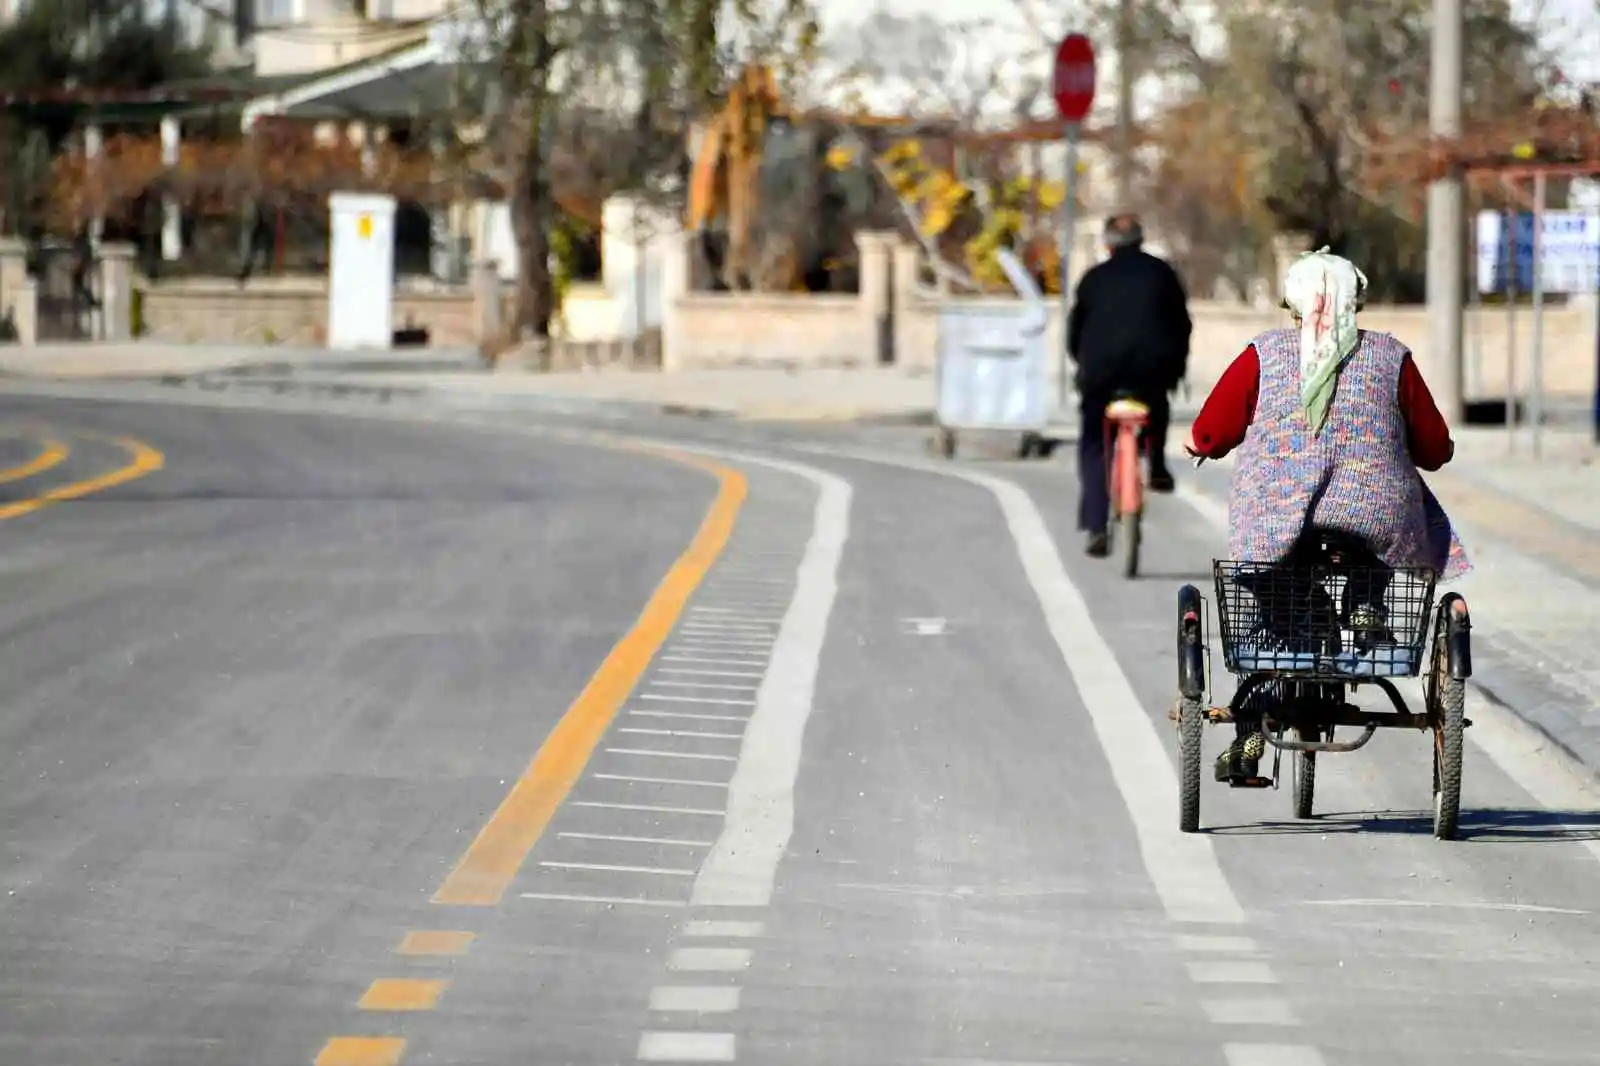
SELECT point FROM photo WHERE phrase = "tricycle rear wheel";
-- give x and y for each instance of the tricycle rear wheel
(1191, 732)
(1447, 698)
(1305, 776)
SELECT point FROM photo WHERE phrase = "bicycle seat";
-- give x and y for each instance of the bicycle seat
(1127, 408)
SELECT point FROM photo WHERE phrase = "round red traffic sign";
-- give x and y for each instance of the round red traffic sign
(1073, 82)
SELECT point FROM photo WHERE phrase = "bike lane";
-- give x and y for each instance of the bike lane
(1443, 951)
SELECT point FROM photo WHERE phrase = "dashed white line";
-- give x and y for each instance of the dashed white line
(608, 901)
(709, 960)
(683, 733)
(713, 662)
(620, 839)
(686, 1047)
(726, 701)
(722, 686)
(719, 613)
(602, 867)
(723, 928)
(697, 642)
(1249, 1012)
(706, 673)
(1271, 1055)
(726, 627)
(689, 716)
(673, 754)
(1231, 973)
(647, 808)
(634, 778)
(695, 999)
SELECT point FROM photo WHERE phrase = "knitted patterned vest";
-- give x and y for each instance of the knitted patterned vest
(1356, 476)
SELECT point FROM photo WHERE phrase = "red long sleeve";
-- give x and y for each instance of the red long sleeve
(1427, 436)
(1225, 416)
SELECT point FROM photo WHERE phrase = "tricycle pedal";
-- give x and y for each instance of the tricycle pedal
(1250, 782)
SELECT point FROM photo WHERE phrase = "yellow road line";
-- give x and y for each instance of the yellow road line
(144, 460)
(54, 454)
(493, 859)
(362, 1051)
(402, 993)
(435, 942)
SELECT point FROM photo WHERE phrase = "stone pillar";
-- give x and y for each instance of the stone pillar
(905, 263)
(171, 217)
(116, 292)
(486, 300)
(22, 303)
(876, 252)
(675, 276)
(13, 269)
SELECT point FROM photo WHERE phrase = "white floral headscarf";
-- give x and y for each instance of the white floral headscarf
(1324, 291)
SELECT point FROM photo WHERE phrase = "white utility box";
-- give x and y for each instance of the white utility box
(361, 271)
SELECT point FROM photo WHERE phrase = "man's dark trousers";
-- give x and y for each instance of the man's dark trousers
(1094, 503)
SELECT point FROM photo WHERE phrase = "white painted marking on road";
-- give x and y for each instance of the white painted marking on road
(684, 715)
(1249, 1012)
(658, 780)
(713, 662)
(720, 685)
(708, 673)
(1231, 973)
(601, 867)
(673, 754)
(1236, 945)
(925, 627)
(720, 928)
(619, 839)
(683, 733)
(1272, 1055)
(726, 701)
(742, 868)
(686, 1047)
(718, 578)
(694, 999)
(1528, 908)
(1183, 867)
(738, 645)
(709, 960)
(734, 612)
(692, 626)
(646, 807)
(608, 901)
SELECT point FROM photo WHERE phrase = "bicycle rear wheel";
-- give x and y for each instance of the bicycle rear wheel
(1129, 534)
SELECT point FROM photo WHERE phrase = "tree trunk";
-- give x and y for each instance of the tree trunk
(532, 215)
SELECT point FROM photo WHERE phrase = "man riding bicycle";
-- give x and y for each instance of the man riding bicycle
(1128, 333)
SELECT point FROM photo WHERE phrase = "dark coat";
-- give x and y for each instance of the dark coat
(1129, 327)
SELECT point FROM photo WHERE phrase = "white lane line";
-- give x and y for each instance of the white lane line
(719, 613)
(686, 1047)
(713, 662)
(673, 754)
(738, 646)
(1249, 1012)
(718, 579)
(694, 999)
(1516, 748)
(720, 685)
(1183, 867)
(709, 960)
(721, 928)
(1235, 945)
(636, 779)
(1428, 904)
(620, 839)
(646, 807)
(601, 867)
(742, 868)
(692, 626)
(607, 901)
(686, 716)
(1231, 973)
(726, 701)
(682, 733)
(706, 673)
(1272, 1055)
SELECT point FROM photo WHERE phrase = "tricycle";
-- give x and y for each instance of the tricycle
(1301, 633)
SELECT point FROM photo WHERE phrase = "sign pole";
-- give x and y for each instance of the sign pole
(1069, 212)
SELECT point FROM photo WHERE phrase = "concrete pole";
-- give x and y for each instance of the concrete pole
(1124, 160)
(1446, 251)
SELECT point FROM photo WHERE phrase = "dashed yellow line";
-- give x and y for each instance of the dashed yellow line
(143, 460)
(402, 993)
(435, 942)
(362, 1051)
(54, 454)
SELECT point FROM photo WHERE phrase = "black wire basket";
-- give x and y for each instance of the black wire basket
(1323, 621)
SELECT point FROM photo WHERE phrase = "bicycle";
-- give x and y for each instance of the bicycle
(1299, 632)
(1126, 418)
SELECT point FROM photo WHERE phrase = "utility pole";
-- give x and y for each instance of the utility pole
(1124, 149)
(1446, 221)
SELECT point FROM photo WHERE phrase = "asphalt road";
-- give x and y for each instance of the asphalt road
(885, 778)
